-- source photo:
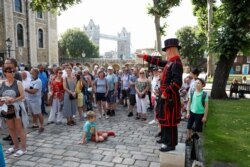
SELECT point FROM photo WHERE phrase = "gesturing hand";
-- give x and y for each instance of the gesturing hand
(139, 55)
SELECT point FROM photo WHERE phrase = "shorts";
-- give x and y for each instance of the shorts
(100, 97)
(98, 134)
(197, 119)
(111, 98)
(125, 93)
(132, 100)
(34, 106)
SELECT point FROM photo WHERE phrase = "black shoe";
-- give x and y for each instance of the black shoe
(130, 114)
(188, 142)
(159, 141)
(166, 149)
(7, 138)
(158, 134)
(112, 113)
(137, 117)
(108, 112)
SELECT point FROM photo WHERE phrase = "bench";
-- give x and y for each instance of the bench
(239, 89)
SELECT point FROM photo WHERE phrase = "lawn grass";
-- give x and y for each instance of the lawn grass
(227, 134)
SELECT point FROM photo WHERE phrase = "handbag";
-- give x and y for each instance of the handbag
(71, 97)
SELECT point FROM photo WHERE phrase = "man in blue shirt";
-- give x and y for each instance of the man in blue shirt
(43, 77)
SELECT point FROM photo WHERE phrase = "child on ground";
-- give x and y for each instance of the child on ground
(197, 109)
(90, 132)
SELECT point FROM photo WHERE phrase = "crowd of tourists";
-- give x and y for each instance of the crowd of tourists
(75, 91)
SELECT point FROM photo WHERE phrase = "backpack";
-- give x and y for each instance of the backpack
(204, 94)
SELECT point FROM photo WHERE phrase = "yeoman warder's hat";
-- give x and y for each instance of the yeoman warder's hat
(172, 42)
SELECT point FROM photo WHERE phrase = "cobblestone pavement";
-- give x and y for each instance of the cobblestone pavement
(134, 145)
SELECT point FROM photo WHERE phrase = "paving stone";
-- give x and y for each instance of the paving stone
(117, 160)
(128, 161)
(102, 163)
(43, 160)
(70, 153)
(108, 158)
(71, 159)
(58, 152)
(120, 165)
(139, 157)
(25, 163)
(141, 163)
(87, 165)
(56, 162)
(70, 164)
(154, 164)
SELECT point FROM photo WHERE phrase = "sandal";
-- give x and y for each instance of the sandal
(20, 153)
(10, 150)
(34, 127)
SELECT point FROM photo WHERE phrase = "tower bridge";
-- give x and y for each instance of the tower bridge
(123, 39)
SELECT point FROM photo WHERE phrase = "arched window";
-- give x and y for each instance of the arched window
(40, 38)
(18, 6)
(19, 35)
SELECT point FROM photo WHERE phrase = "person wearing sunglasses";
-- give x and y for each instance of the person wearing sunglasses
(168, 106)
(11, 97)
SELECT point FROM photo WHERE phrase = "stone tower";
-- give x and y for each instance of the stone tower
(93, 32)
(33, 34)
(123, 44)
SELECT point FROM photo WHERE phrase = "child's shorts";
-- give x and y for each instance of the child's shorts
(99, 133)
(197, 119)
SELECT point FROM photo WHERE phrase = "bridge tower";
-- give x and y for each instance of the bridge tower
(93, 32)
(123, 44)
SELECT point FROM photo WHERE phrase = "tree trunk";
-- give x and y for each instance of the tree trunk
(158, 33)
(221, 76)
(210, 60)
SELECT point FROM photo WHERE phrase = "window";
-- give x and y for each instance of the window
(40, 15)
(248, 59)
(18, 6)
(19, 35)
(40, 38)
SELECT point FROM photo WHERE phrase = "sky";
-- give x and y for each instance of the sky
(113, 15)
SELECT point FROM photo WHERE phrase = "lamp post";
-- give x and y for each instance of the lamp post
(8, 44)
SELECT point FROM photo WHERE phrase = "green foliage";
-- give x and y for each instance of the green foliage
(74, 42)
(43, 5)
(226, 136)
(233, 33)
(193, 44)
(162, 8)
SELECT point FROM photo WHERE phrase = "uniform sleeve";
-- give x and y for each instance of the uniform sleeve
(155, 60)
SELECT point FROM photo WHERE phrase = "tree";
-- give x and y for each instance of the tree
(75, 42)
(161, 9)
(204, 11)
(43, 5)
(232, 36)
(193, 43)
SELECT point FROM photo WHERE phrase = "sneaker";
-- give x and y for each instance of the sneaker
(107, 117)
(152, 122)
(130, 114)
(99, 116)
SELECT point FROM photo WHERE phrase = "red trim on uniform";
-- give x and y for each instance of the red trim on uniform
(176, 85)
(164, 93)
(145, 57)
(174, 58)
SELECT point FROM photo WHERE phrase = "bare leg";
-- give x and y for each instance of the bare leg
(12, 132)
(21, 133)
(40, 117)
